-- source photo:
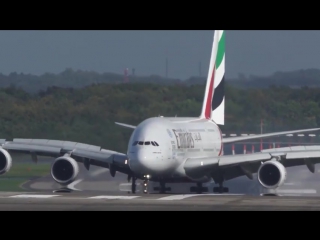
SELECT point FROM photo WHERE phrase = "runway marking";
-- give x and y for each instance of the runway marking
(113, 197)
(126, 187)
(291, 184)
(184, 196)
(34, 196)
(73, 184)
(297, 191)
(178, 197)
(123, 197)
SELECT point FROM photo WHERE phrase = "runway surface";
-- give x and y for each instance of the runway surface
(96, 190)
(98, 179)
(156, 202)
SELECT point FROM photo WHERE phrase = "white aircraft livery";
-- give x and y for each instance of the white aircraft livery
(174, 149)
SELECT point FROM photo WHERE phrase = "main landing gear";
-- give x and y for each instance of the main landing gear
(133, 185)
(199, 189)
(220, 189)
(162, 189)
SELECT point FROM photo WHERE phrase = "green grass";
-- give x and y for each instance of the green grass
(20, 173)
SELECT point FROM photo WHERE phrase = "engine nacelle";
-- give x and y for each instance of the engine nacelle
(272, 174)
(64, 170)
(5, 161)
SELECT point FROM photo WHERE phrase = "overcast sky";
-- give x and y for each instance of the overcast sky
(248, 52)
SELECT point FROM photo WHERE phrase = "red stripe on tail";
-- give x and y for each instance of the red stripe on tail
(209, 97)
(221, 146)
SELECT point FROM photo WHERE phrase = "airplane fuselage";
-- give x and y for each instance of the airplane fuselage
(158, 147)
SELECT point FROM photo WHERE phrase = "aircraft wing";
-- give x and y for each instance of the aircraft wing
(244, 138)
(265, 135)
(234, 166)
(79, 151)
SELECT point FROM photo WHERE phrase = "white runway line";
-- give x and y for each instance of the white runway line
(297, 191)
(178, 197)
(290, 184)
(34, 196)
(126, 187)
(110, 197)
(184, 196)
(73, 184)
(114, 197)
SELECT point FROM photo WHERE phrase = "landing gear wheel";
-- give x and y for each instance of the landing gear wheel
(133, 185)
(220, 189)
(162, 187)
(199, 189)
(63, 190)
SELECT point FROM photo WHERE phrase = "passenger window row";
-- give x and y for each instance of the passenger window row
(145, 143)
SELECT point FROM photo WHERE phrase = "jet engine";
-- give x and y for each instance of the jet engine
(272, 174)
(64, 170)
(5, 161)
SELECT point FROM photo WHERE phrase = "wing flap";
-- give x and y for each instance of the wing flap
(229, 160)
(247, 164)
(65, 145)
(27, 148)
(306, 154)
(285, 155)
(240, 165)
(294, 148)
(244, 138)
(119, 159)
(80, 151)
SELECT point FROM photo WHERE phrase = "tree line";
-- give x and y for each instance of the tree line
(88, 114)
(70, 78)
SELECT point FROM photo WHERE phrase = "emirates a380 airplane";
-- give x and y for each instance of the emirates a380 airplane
(174, 150)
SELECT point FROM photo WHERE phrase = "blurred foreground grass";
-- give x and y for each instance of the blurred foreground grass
(20, 173)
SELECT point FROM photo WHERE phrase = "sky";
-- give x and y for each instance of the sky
(248, 52)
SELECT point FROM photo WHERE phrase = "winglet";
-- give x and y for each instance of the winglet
(125, 125)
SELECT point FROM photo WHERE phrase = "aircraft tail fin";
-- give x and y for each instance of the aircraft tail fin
(214, 99)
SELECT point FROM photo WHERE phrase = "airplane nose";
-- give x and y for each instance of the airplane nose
(141, 162)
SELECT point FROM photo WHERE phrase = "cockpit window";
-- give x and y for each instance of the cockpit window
(154, 143)
(145, 143)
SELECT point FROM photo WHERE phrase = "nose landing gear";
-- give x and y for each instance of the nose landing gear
(145, 183)
(133, 183)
